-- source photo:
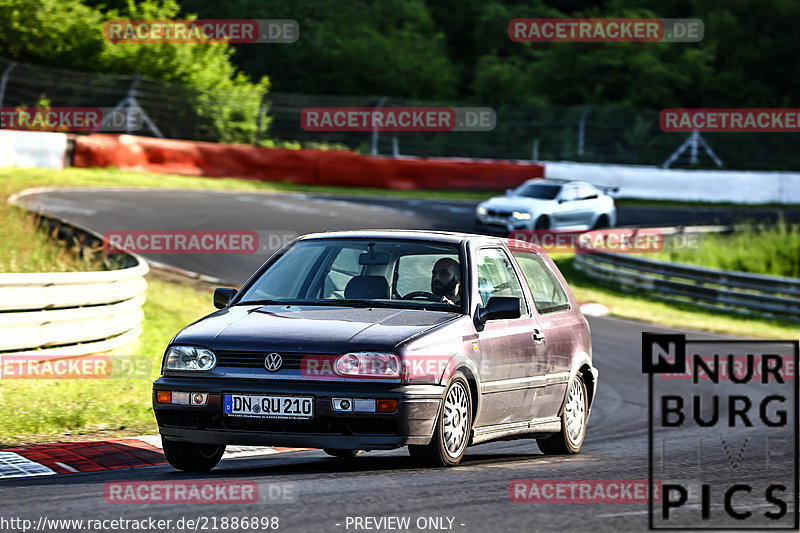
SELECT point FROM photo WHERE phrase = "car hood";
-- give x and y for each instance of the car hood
(309, 329)
(516, 203)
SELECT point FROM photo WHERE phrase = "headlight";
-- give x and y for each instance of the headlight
(365, 364)
(519, 215)
(190, 358)
(481, 210)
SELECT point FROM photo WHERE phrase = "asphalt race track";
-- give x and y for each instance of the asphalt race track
(327, 491)
(277, 217)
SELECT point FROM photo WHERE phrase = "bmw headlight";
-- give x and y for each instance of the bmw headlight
(519, 215)
(481, 210)
(190, 358)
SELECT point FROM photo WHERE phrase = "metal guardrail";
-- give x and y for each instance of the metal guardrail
(712, 288)
(71, 313)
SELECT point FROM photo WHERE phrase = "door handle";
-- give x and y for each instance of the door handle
(537, 336)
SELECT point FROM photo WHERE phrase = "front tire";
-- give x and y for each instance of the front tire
(573, 422)
(192, 457)
(542, 223)
(602, 222)
(451, 436)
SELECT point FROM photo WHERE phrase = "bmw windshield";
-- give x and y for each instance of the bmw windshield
(536, 190)
(361, 272)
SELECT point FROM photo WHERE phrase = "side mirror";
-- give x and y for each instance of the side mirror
(499, 307)
(223, 297)
(561, 200)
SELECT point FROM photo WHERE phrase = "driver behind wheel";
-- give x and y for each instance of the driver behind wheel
(446, 280)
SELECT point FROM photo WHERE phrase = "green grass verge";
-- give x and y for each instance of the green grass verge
(637, 306)
(18, 179)
(27, 248)
(772, 250)
(46, 410)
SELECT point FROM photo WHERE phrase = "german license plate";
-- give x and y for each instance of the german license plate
(248, 405)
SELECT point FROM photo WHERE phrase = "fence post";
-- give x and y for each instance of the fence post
(261, 111)
(374, 150)
(130, 104)
(582, 129)
(3, 81)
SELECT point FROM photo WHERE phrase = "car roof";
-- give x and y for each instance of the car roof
(424, 235)
(420, 235)
(557, 181)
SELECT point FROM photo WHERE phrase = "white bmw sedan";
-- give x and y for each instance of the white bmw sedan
(548, 204)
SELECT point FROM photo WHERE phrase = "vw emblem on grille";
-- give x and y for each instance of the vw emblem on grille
(273, 362)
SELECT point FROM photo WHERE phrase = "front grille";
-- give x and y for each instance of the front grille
(256, 359)
(496, 213)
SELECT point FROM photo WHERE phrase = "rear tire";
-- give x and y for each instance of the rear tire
(573, 422)
(344, 454)
(192, 457)
(453, 425)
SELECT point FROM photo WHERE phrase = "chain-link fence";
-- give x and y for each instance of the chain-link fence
(574, 133)
(177, 111)
(547, 133)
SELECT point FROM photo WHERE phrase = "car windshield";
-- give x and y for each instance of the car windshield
(538, 190)
(361, 272)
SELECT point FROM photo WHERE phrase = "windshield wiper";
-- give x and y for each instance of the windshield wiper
(263, 302)
(354, 302)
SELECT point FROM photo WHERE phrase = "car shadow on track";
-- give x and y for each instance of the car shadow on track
(282, 466)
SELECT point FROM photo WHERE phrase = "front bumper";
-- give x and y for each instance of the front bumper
(500, 224)
(412, 423)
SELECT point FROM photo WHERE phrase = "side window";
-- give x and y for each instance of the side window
(496, 277)
(548, 296)
(585, 193)
(569, 194)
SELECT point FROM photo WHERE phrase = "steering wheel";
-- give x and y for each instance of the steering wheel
(422, 294)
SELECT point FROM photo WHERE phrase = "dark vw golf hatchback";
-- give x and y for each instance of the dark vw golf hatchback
(352, 341)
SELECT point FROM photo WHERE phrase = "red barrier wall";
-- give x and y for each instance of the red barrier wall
(308, 167)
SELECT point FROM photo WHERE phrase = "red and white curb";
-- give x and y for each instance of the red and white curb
(99, 455)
